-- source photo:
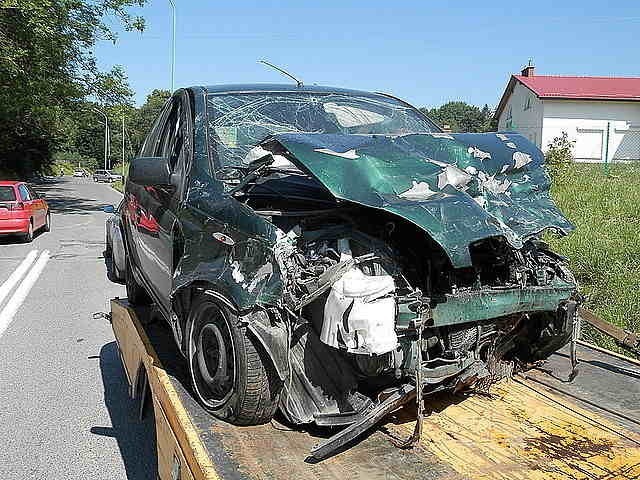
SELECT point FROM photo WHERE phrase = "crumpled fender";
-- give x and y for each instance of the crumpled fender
(227, 245)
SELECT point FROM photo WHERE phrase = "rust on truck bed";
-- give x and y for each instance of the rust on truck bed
(524, 429)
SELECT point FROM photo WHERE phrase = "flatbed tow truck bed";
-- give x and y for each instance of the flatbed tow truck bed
(534, 426)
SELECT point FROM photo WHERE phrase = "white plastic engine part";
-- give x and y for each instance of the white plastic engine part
(358, 316)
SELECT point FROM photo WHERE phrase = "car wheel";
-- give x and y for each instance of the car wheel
(108, 250)
(47, 222)
(136, 294)
(230, 375)
(28, 237)
(117, 273)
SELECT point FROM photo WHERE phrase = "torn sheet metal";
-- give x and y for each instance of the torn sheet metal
(494, 303)
(502, 193)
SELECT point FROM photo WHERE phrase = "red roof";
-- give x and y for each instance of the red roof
(575, 88)
(585, 88)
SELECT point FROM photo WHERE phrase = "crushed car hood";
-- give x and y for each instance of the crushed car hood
(459, 188)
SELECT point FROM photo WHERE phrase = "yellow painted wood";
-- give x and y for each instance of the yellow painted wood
(137, 349)
(524, 432)
(170, 455)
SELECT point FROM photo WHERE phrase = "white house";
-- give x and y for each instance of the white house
(601, 114)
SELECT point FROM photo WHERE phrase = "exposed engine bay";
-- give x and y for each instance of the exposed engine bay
(372, 304)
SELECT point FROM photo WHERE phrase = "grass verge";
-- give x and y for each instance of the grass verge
(604, 250)
(118, 186)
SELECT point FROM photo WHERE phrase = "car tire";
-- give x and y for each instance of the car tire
(28, 237)
(136, 294)
(47, 222)
(108, 250)
(230, 374)
(118, 275)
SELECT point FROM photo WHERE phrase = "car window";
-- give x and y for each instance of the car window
(173, 136)
(33, 193)
(239, 121)
(151, 145)
(7, 194)
(24, 193)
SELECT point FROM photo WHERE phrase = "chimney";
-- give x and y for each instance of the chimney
(528, 70)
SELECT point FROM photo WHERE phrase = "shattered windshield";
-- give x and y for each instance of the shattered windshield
(238, 122)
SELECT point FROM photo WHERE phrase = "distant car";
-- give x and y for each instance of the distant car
(22, 210)
(80, 173)
(114, 244)
(106, 176)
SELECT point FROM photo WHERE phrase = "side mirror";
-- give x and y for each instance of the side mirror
(150, 172)
(109, 209)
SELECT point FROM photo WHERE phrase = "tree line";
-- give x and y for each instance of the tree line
(50, 81)
(463, 117)
(53, 96)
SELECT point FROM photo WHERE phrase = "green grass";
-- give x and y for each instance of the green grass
(122, 170)
(118, 186)
(604, 250)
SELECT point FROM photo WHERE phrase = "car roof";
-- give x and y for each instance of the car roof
(277, 87)
(8, 183)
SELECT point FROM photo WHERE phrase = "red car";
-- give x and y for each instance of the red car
(22, 211)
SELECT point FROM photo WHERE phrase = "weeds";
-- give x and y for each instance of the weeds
(604, 250)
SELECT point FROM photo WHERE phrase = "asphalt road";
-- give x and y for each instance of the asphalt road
(64, 406)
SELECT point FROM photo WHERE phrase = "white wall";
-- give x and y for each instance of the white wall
(586, 122)
(527, 122)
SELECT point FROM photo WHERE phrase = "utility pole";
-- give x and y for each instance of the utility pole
(173, 42)
(106, 136)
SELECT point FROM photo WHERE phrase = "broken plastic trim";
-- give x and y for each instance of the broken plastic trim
(397, 397)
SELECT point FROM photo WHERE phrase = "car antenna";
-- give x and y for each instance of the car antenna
(283, 71)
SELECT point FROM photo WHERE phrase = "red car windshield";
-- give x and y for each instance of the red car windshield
(7, 194)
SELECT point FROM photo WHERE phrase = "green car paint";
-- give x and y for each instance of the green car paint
(459, 188)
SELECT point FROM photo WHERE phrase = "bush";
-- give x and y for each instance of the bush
(559, 153)
(76, 160)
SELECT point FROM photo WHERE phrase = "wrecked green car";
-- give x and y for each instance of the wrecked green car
(333, 254)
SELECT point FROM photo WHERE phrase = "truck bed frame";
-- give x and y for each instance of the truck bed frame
(536, 425)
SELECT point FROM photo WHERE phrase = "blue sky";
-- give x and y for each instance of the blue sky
(425, 52)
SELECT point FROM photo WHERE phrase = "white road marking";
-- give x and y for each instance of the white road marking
(17, 274)
(19, 296)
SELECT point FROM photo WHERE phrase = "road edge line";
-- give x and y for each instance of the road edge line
(20, 295)
(17, 275)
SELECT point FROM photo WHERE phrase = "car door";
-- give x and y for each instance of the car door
(157, 206)
(39, 204)
(30, 206)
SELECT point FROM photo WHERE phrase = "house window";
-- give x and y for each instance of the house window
(527, 104)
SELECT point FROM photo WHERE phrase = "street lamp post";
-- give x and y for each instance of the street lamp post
(106, 136)
(124, 170)
(173, 42)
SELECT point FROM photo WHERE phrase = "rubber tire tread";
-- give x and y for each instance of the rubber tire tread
(257, 385)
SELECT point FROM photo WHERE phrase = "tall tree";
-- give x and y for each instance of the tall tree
(145, 116)
(462, 117)
(47, 67)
